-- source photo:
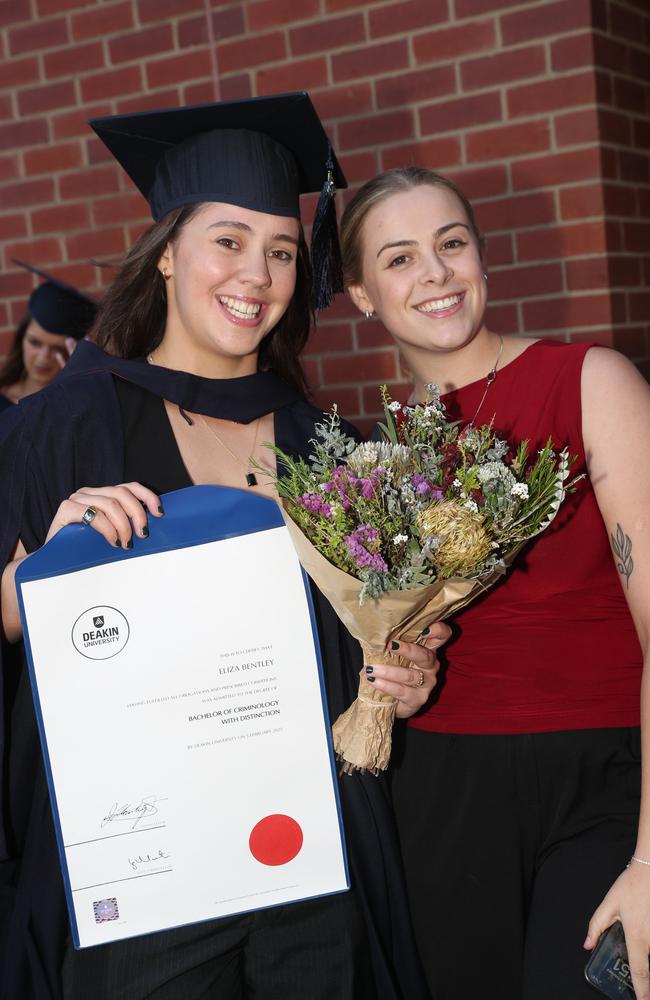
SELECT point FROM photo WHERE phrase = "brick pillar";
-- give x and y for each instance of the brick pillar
(622, 65)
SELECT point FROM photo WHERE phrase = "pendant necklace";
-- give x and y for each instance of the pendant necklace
(491, 375)
(251, 478)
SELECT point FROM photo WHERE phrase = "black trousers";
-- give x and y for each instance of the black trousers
(509, 844)
(314, 950)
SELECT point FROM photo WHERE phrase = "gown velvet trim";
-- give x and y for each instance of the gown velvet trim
(240, 399)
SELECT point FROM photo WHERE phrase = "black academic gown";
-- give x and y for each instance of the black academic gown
(70, 435)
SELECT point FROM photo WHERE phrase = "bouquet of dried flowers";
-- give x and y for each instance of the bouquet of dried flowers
(403, 531)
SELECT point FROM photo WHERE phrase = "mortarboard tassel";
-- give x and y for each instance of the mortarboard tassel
(327, 268)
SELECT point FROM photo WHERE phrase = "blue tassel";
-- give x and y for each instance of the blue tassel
(327, 268)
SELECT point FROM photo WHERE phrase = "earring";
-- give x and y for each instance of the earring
(368, 313)
(165, 275)
(485, 275)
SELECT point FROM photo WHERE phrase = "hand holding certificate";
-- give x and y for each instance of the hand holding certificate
(181, 712)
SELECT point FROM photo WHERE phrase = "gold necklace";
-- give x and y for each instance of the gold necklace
(251, 478)
(491, 375)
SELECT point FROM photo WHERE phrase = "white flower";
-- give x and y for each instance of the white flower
(457, 483)
(366, 457)
(394, 407)
(433, 393)
(398, 539)
(407, 493)
(470, 505)
(494, 471)
(519, 490)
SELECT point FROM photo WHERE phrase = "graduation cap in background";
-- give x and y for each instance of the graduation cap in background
(59, 308)
(260, 154)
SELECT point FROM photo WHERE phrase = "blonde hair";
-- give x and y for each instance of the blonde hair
(377, 190)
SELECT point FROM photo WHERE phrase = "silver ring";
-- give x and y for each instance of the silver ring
(421, 680)
(89, 515)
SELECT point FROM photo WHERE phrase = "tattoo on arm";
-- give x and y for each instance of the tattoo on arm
(622, 546)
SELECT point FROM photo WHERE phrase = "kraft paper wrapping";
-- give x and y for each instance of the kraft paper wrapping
(362, 734)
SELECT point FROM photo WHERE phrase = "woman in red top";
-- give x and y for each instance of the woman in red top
(518, 787)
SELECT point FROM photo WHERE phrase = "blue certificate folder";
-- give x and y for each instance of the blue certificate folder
(131, 863)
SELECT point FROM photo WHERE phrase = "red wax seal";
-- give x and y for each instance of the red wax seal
(275, 840)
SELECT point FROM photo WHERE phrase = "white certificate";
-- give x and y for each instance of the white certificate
(179, 694)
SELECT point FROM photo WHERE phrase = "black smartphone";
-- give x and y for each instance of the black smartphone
(608, 968)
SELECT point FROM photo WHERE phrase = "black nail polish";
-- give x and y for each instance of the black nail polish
(129, 544)
(371, 679)
(144, 531)
(118, 543)
(425, 631)
(160, 510)
(369, 670)
(394, 645)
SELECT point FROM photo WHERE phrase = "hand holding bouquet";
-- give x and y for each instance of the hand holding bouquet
(400, 532)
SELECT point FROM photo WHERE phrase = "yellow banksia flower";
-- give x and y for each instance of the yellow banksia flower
(466, 543)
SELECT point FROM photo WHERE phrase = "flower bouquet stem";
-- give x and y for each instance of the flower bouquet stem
(363, 733)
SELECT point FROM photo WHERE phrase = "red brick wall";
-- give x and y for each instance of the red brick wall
(540, 108)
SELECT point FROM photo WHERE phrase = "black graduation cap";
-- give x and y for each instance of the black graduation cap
(58, 307)
(260, 154)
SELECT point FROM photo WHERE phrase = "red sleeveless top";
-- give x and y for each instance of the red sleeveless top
(553, 645)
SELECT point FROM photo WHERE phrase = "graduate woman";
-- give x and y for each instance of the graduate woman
(517, 795)
(57, 316)
(202, 330)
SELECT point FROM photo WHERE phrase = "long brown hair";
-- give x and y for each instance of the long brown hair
(375, 191)
(133, 314)
(13, 370)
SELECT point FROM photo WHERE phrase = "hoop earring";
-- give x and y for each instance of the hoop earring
(485, 275)
(368, 313)
(165, 275)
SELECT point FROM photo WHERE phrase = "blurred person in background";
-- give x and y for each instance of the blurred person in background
(57, 316)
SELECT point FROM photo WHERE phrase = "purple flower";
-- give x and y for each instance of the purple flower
(342, 479)
(420, 484)
(424, 488)
(313, 503)
(360, 543)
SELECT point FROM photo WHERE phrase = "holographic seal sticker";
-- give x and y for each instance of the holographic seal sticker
(106, 909)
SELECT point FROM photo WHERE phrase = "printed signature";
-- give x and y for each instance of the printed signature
(128, 813)
(145, 859)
